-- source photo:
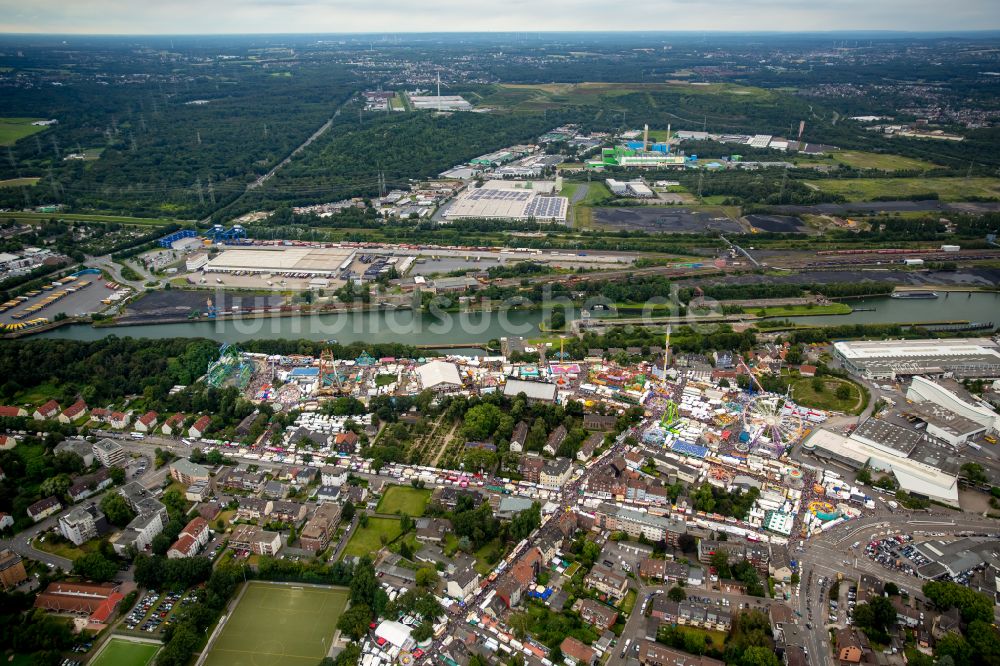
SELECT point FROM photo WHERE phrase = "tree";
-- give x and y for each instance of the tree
(843, 392)
(818, 385)
(687, 543)
(974, 473)
(354, 622)
(677, 594)
(117, 475)
(116, 509)
(759, 656)
(95, 567)
(347, 511)
(954, 646)
(481, 421)
(427, 577)
(891, 589)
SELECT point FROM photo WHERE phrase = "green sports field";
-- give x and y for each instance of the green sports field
(121, 652)
(401, 499)
(277, 624)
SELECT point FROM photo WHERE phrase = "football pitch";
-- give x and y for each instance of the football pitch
(276, 624)
(121, 652)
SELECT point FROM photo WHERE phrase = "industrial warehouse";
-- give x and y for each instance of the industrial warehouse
(965, 357)
(282, 260)
(511, 200)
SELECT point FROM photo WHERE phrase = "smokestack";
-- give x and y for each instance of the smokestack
(668, 138)
(645, 137)
(802, 128)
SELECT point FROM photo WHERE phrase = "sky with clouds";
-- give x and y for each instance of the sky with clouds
(379, 16)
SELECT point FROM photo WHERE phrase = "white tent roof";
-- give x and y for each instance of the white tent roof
(394, 632)
(438, 372)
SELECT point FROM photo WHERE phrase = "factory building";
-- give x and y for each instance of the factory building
(629, 188)
(919, 467)
(952, 396)
(888, 359)
(510, 200)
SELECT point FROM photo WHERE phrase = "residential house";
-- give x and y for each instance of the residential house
(518, 437)
(119, 420)
(242, 478)
(346, 443)
(463, 583)
(8, 411)
(333, 475)
(597, 614)
(606, 581)
(555, 473)
(47, 411)
(146, 422)
(198, 491)
(85, 486)
(200, 427)
(73, 412)
(109, 453)
(6, 520)
(588, 447)
(187, 472)
(80, 447)
(174, 424)
(251, 508)
(530, 467)
(82, 524)
(690, 613)
(139, 533)
(12, 571)
(192, 538)
(255, 540)
(319, 529)
(780, 564)
(43, 508)
(652, 653)
(432, 529)
(849, 648)
(285, 511)
(556, 438)
(578, 651)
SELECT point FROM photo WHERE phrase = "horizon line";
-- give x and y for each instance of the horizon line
(839, 31)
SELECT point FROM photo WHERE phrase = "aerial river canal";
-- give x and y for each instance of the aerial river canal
(414, 328)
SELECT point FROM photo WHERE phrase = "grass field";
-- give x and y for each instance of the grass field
(948, 189)
(19, 182)
(583, 214)
(121, 219)
(279, 625)
(121, 652)
(535, 97)
(401, 499)
(368, 540)
(804, 394)
(801, 310)
(13, 130)
(862, 160)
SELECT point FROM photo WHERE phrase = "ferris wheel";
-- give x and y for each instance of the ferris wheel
(771, 427)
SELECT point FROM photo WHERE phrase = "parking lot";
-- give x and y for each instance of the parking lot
(153, 613)
(895, 553)
(84, 301)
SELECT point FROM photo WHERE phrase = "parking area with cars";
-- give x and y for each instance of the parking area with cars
(896, 553)
(153, 613)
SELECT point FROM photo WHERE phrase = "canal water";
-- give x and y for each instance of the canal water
(462, 329)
